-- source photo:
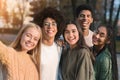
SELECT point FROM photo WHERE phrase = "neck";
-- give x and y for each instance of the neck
(97, 49)
(48, 42)
(86, 32)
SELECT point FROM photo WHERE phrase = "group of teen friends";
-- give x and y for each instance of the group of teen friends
(52, 48)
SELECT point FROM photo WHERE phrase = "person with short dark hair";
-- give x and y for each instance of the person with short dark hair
(84, 14)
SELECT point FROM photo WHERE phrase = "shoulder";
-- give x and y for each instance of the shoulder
(91, 32)
(84, 52)
(104, 61)
(104, 57)
(2, 44)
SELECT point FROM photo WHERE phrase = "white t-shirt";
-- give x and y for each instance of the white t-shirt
(88, 39)
(50, 57)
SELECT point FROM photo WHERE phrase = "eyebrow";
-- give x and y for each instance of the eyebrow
(49, 22)
(101, 33)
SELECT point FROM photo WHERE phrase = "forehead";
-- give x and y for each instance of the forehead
(71, 26)
(103, 30)
(85, 12)
(32, 30)
(49, 19)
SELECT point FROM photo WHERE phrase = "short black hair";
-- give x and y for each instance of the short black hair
(84, 7)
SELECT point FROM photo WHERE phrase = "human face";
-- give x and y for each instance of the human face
(85, 19)
(29, 39)
(49, 28)
(71, 35)
(100, 37)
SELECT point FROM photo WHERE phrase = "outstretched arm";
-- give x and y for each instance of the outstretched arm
(3, 53)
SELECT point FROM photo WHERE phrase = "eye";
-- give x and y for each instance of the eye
(81, 15)
(46, 24)
(28, 35)
(36, 39)
(74, 31)
(102, 35)
(66, 32)
(54, 24)
(88, 16)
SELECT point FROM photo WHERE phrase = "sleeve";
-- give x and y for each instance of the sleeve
(85, 66)
(3, 53)
(103, 68)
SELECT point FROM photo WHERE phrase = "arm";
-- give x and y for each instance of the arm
(84, 67)
(103, 68)
(3, 53)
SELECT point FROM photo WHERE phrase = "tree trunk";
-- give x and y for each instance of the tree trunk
(73, 2)
(105, 11)
(111, 12)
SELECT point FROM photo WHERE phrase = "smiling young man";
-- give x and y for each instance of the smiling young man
(51, 22)
(84, 14)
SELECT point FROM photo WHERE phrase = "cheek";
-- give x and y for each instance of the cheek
(35, 43)
(103, 40)
(78, 36)
(56, 29)
(91, 20)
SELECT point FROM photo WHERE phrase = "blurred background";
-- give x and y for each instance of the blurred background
(13, 13)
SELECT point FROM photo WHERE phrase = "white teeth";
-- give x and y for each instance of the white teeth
(49, 31)
(28, 44)
(71, 39)
(85, 22)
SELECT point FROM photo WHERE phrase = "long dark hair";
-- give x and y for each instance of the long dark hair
(81, 41)
(112, 49)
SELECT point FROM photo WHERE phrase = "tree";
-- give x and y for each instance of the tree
(111, 12)
(73, 7)
(37, 6)
(105, 11)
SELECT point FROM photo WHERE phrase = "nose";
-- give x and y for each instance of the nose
(85, 17)
(50, 25)
(31, 40)
(70, 34)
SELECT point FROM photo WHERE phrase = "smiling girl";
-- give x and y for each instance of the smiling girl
(75, 61)
(105, 67)
(20, 61)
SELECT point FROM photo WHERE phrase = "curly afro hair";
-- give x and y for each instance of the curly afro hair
(53, 13)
